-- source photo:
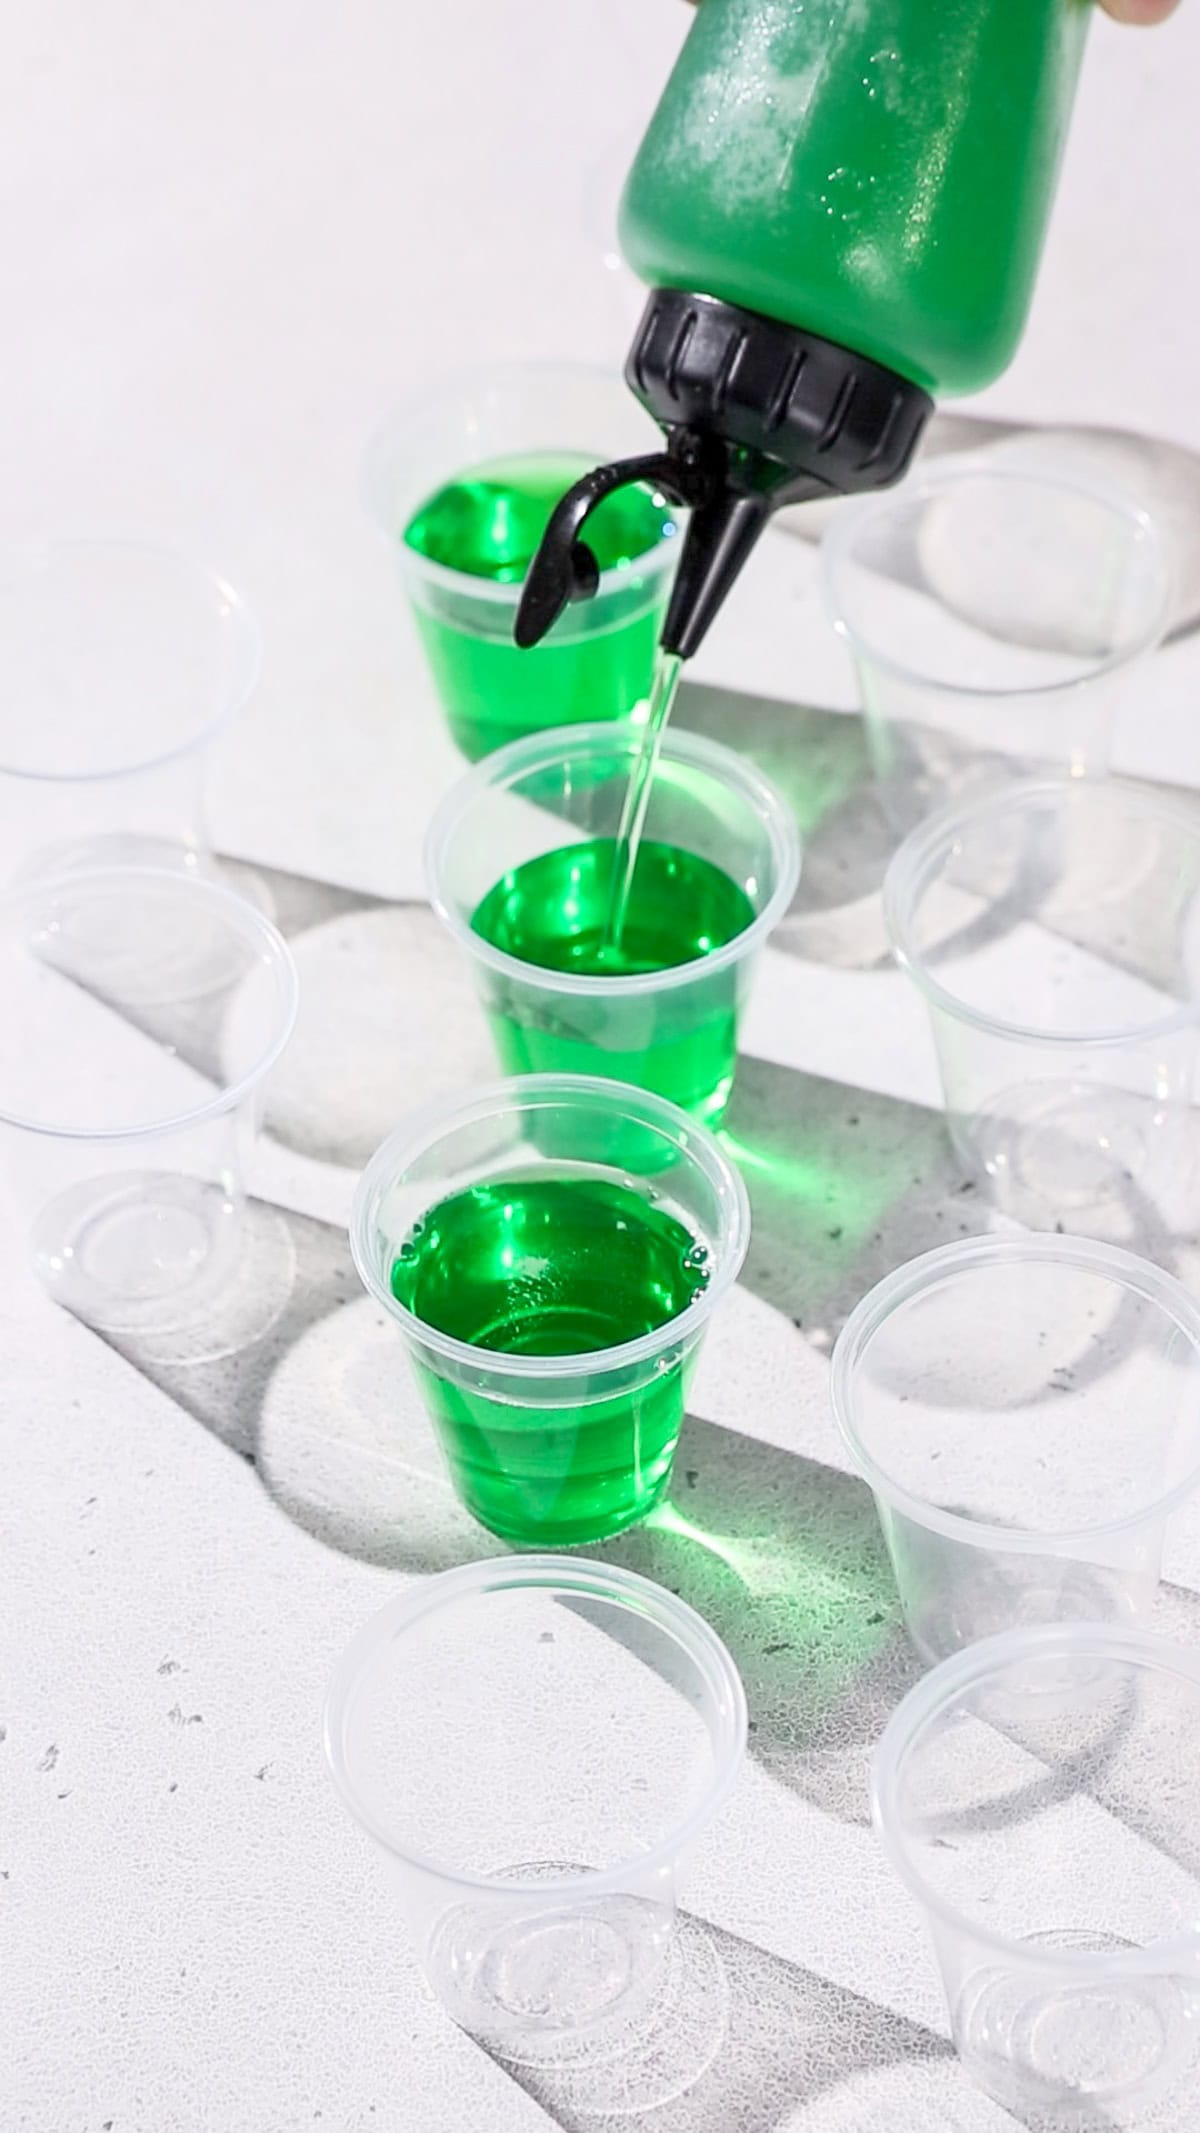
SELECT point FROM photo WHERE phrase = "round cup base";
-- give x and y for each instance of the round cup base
(540, 1981)
(611, 2006)
(646, 2061)
(141, 1250)
(1058, 1150)
(1076, 2055)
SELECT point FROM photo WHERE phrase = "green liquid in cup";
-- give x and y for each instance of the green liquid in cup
(544, 1266)
(553, 912)
(487, 524)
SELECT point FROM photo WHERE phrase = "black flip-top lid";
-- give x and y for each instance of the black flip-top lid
(819, 411)
(756, 414)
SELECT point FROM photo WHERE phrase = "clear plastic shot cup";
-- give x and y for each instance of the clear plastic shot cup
(1027, 1413)
(1054, 931)
(142, 1013)
(533, 428)
(122, 661)
(535, 1745)
(519, 861)
(1039, 1793)
(552, 1249)
(996, 617)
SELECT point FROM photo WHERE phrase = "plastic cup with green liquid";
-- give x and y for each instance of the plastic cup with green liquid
(521, 863)
(462, 484)
(552, 1249)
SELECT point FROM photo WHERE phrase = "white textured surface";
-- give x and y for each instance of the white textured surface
(233, 235)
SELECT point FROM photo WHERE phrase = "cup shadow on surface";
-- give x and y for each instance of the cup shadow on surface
(819, 760)
(782, 1552)
(388, 1020)
(1160, 474)
(783, 1555)
(388, 1017)
(789, 2038)
(844, 1185)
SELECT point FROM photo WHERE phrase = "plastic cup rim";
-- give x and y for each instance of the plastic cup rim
(643, 572)
(957, 472)
(935, 1692)
(910, 872)
(417, 408)
(674, 1616)
(556, 745)
(1128, 1272)
(240, 915)
(218, 585)
(424, 1130)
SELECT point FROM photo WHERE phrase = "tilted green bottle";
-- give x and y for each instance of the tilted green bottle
(878, 172)
(840, 207)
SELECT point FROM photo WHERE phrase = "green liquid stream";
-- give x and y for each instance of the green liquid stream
(667, 670)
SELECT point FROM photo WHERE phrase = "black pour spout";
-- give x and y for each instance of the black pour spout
(756, 415)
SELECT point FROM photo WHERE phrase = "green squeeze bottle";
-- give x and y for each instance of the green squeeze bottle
(839, 206)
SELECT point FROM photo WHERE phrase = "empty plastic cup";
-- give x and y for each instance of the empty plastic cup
(535, 1745)
(122, 661)
(520, 863)
(1054, 931)
(1027, 1413)
(462, 483)
(142, 1013)
(552, 1249)
(1040, 1795)
(996, 616)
